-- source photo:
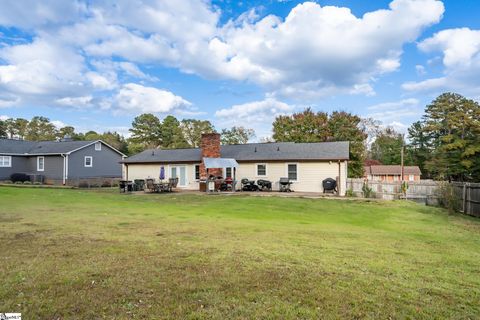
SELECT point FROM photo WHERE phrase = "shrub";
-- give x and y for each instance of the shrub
(18, 182)
(115, 184)
(447, 197)
(350, 193)
(8, 182)
(37, 183)
(83, 184)
(22, 177)
(106, 184)
(27, 182)
(367, 191)
(94, 185)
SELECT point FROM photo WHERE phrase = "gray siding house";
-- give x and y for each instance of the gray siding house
(60, 162)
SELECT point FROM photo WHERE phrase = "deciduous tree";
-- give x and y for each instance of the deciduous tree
(193, 129)
(236, 135)
(387, 147)
(39, 129)
(308, 126)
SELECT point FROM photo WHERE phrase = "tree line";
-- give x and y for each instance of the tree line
(147, 131)
(445, 143)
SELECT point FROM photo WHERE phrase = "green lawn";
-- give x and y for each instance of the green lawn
(72, 254)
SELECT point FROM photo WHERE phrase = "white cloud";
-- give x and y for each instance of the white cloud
(58, 124)
(420, 69)
(412, 102)
(396, 111)
(33, 13)
(322, 48)
(258, 115)
(3, 118)
(78, 102)
(137, 98)
(460, 49)
(314, 51)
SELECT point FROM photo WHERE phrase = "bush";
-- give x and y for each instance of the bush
(447, 197)
(27, 182)
(83, 184)
(350, 193)
(37, 183)
(106, 184)
(18, 182)
(115, 184)
(7, 182)
(22, 177)
(367, 191)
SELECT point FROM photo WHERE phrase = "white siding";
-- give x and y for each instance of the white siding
(144, 171)
(310, 174)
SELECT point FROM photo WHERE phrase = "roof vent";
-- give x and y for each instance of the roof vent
(153, 153)
(255, 149)
(278, 148)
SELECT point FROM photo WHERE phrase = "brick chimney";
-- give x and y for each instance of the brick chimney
(210, 148)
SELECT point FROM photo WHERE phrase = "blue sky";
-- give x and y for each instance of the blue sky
(95, 65)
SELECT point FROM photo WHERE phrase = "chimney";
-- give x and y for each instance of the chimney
(210, 148)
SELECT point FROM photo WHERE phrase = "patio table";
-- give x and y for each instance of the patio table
(161, 186)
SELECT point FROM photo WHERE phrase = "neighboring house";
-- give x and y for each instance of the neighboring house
(391, 173)
(306, 164)
(60, 162)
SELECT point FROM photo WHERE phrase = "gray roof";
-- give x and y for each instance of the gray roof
(10, 146)
(277, 151)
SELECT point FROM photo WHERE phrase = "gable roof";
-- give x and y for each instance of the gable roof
(277, 151)
(22, 147)
(392, 170)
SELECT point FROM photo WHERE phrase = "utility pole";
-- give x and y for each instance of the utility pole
(401, 157)
(404, 191)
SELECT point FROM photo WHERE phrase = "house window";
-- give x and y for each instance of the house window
(88, 162)
(5, 161)
(261, 169)
(197, 172)
(292, 171)
(98, 146)
(228, 172)
(411, 177)
(40, 163)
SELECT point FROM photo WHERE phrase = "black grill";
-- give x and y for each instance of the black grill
(329, 185)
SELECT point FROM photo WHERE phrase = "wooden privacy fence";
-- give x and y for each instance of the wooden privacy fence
(424, 191)
(417, 190)
(468, 195)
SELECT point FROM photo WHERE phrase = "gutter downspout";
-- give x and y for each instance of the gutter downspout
(64, 169)
(340, 181)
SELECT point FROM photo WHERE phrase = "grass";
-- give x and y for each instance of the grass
(73, 254)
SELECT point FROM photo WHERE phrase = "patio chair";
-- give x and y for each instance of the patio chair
(138, 185)
(150, 185)
(172, 184)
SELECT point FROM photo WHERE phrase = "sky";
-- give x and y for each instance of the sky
(95, 65)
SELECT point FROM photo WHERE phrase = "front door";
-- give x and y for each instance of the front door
(180, 172)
